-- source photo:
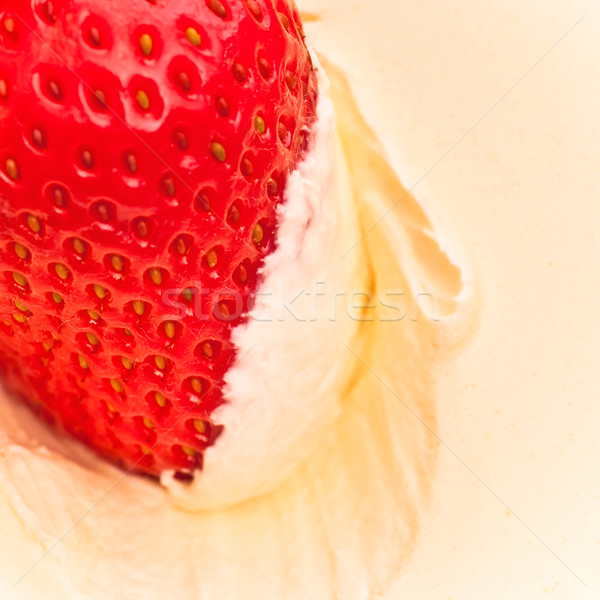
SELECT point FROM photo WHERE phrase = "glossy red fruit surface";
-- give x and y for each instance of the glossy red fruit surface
(144, 148)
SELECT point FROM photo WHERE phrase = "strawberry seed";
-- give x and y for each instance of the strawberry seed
(127, 363)
(62, 271)
(218, 151)
(257, 234)
(218, 8)
(200, 426)
(12, 169)
(100, 291)
(146, 44)
(143, 100)
(21, 251)
(34, 224)
(139, 307)
(193, 36)
(259, 124)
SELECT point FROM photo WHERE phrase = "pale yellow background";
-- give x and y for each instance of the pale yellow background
(491, 109)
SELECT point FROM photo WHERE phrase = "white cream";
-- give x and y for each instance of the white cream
(284, 390)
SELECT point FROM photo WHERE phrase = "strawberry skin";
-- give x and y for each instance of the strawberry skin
(144, 149)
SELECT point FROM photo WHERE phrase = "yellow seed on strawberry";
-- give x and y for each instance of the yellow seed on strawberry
(156, 275)
(117, 262)
(127, 363)
(212, 258)
(139, 307)
(143, 100)
(218, 8)
(21, 251)
(259, 124)
(193, 36)
(62, 271)
(218, 151)
(12, 169)
(196, 385)
(78, 246)
(169, 328)
(200, 426)
(257, 234)
(116, 385)
(19, 279)
(207, 350)
(141, 226)
(34, 224)
(21, 306)
(100, 291)
(146, 44)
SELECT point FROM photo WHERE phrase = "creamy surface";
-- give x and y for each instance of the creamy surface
(517, 405)
(282, 393)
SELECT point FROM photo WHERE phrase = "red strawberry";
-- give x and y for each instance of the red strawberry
(144, 148)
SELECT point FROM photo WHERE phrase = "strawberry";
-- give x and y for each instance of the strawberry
(144, 149)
